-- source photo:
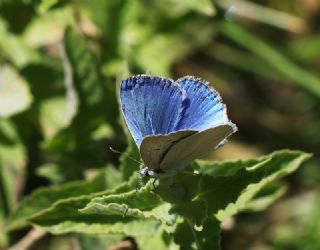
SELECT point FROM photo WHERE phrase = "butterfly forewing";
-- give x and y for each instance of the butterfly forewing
(151, 105)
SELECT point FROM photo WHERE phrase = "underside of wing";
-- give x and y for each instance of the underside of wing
(195, 146)
(153, 148)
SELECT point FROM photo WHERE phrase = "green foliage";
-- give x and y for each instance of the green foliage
(196, 199)
(61, 63)
(299, 76)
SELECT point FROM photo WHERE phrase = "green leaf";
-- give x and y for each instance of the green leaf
(295, 74)
(141, 199)
(47, 28)
(97, 225)
(226, 188)
(227, 196)
(179, 189)
(52, 118)
(90, 242)
(84, 69)
(44, 198)
(208, 237)
(45, 5)
(133, 203)
(15, 95)
(160, 240)
(13, 160)
(65, 217)
(266, 197)
(15, 48)
(82, 79)
(149, 55)
(202, 6)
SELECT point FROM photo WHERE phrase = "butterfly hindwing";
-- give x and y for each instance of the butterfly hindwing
(195, 146)
(151, 105)
(154, 148)
(204, 106)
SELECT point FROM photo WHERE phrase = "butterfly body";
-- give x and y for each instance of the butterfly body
(173, 122)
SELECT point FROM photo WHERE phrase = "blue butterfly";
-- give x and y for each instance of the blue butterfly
(173, 122)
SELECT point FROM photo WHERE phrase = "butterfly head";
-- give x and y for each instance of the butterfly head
(153, 173)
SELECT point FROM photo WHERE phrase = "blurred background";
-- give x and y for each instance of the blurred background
(60, 62)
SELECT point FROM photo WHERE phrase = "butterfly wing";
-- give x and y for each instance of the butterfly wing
(205, 113)
(195, 146)
(150, 105)
(204, 105)
(153, 148)
(173, 123)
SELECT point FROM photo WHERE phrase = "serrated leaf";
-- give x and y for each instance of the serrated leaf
(45, 198)
(142, 203)
(65, 217)
(142, 199)
(106, 214)
(99, 226)
(226, 188)
(227, 196)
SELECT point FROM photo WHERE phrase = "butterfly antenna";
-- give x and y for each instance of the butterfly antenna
(118, 152)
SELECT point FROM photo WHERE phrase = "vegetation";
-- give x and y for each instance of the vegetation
(61, 63)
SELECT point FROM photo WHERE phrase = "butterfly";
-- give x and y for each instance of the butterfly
(173, 122)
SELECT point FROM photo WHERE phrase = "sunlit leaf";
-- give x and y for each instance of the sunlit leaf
(228, 187)
(203, 6)
(15, 48)
(48, 28)
(15, 95)
(46, 197)
(228, 196)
